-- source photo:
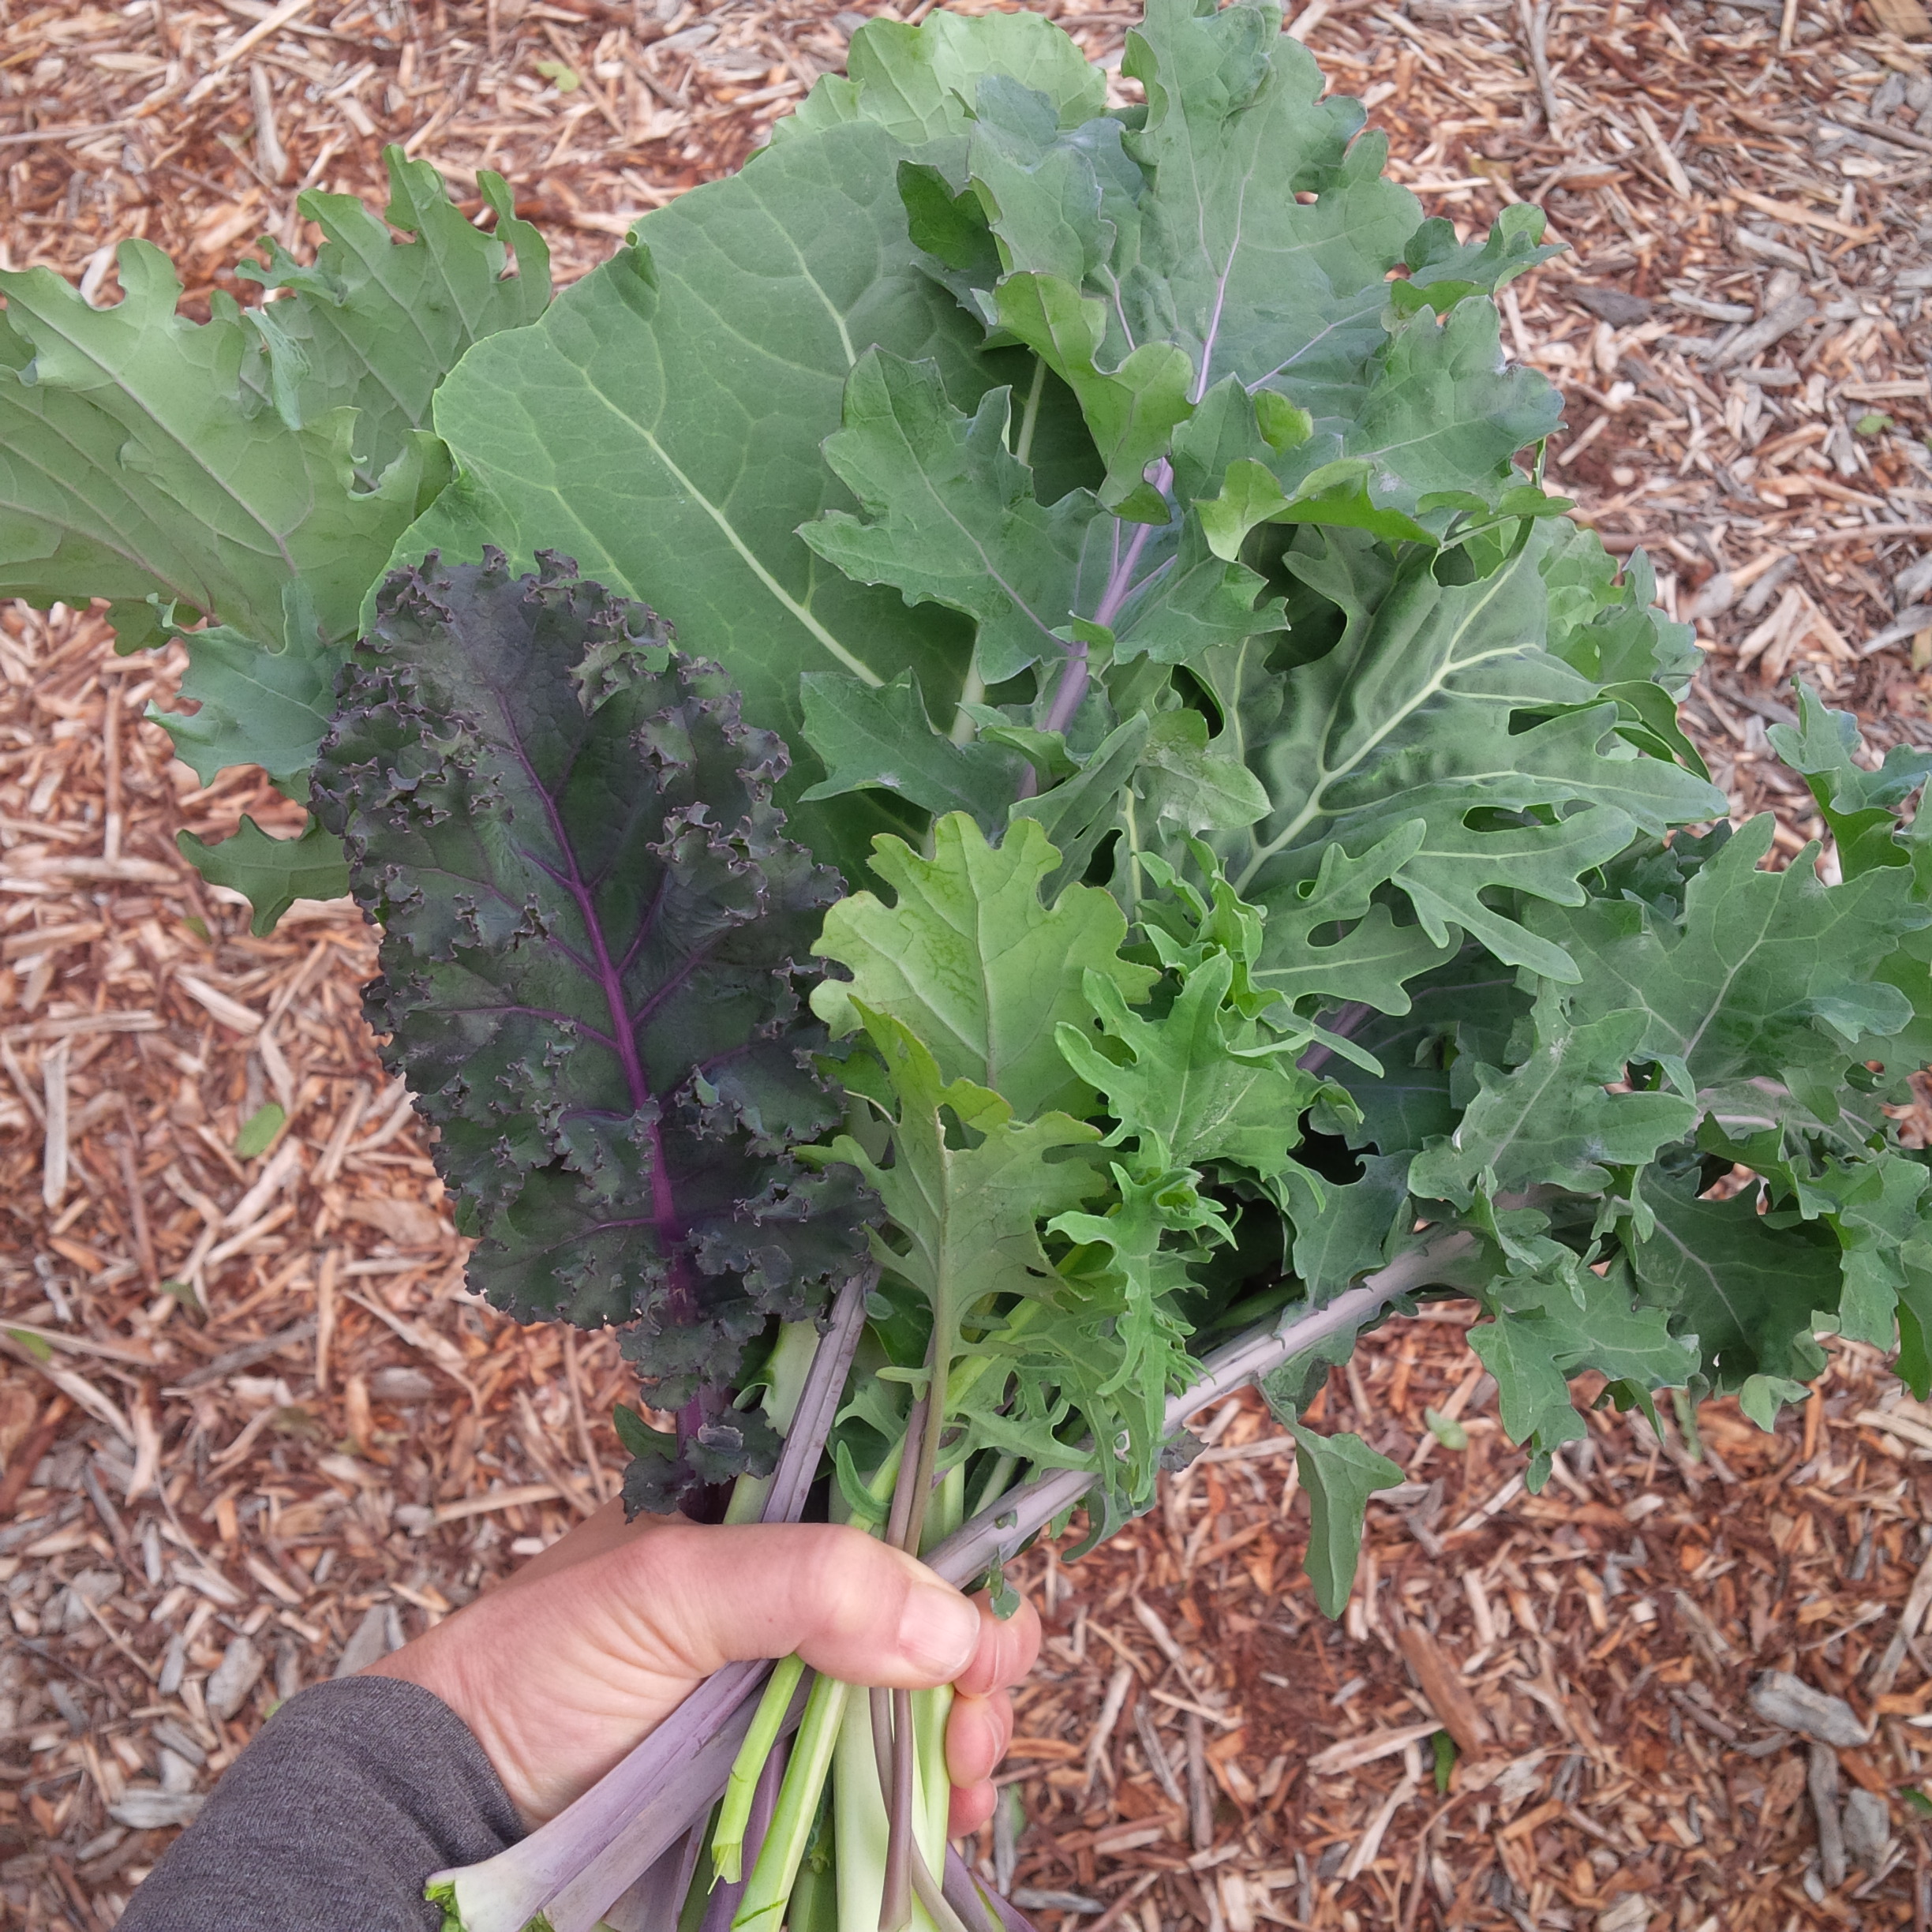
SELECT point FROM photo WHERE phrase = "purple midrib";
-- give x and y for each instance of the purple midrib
(609, 976)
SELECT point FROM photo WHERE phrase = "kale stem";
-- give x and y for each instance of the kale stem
(972, 692)
(728, 1837)
(1029, 414)
(858, 1822)
(930, 1422)
(895, 1911)
(768, 1888)
(905, 1480)
(932, 1898)
(902, 1847)
(997, 1477)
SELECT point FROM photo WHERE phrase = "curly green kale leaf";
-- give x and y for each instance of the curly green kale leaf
(973, 964)
(1399, 758)
(1764, 973)
(592, 925)
(967, 1185)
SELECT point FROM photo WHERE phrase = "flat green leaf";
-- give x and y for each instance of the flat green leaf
(143, 455)
(1440, 411)
(1196, 783)
(1340, 1473)
(270, 873)
(973, 963)
(1751, 1294)
(1763, 972)
(919, 83)
(262, 700)
(949, 513)
(1532, 1354)
(950, 518)
(880, 735)
(1861, 807)
(1604, 618)
(377, 324)
(257, 469)
(136, 461)
(621, 430)
(1554, 1120)
(1514, 246)
(1412, 720)
(1130, 409)
(1349, 1230)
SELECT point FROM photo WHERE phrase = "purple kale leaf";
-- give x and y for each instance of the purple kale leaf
(592, 925)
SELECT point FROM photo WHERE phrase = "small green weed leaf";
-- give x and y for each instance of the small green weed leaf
(1340, 1473)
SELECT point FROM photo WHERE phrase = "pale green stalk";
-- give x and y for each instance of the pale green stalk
(734, 1814)
(791, 1362)
(932, 1788)
(860, 1828)
(777, 1870)
(997, 1477)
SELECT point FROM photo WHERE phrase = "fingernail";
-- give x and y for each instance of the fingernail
(938, 1630)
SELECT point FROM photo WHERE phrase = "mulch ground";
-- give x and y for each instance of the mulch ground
(253, 1429)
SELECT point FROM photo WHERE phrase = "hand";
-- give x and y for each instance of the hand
(562, 1669)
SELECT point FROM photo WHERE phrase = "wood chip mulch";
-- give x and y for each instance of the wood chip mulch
(253, 1430)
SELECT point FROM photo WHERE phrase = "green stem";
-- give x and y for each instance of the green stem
(727, 1837)
(777, 1870)
(1029, 414)
(997, 1477)
(860, 1828)
(791, 1362)
(930, 1709)
(948, 1509)
(973, 691)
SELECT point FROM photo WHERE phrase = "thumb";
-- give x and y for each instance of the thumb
(850, 1605)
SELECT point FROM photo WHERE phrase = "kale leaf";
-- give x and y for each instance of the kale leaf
(593, 928)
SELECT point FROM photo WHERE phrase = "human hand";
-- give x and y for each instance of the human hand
(562, 1670)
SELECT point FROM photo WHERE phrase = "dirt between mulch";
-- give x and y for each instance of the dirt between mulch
(202, 1511)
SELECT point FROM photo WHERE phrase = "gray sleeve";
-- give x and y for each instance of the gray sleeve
(332, 1819)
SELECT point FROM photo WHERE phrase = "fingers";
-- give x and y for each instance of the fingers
(980, 1725)
(978, 1731)
(850, 1605)
(970, 1806)
(1006, 1651)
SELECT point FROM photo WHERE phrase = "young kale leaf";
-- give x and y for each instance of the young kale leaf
(592, 925)
(970, 960)
(257, 469)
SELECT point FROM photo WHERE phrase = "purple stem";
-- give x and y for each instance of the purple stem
(895, 1889)
(637, 1811)
(976, 1902)
(999, 1531)
(818, 1401)
(652, 1903)
(721, 1908)
(640, 1810)
(1120, 586)
(1346, 1020)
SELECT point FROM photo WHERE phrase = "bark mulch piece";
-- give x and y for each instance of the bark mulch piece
(253, 1430)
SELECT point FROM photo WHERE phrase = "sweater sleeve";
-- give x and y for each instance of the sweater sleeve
(334, 1818)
